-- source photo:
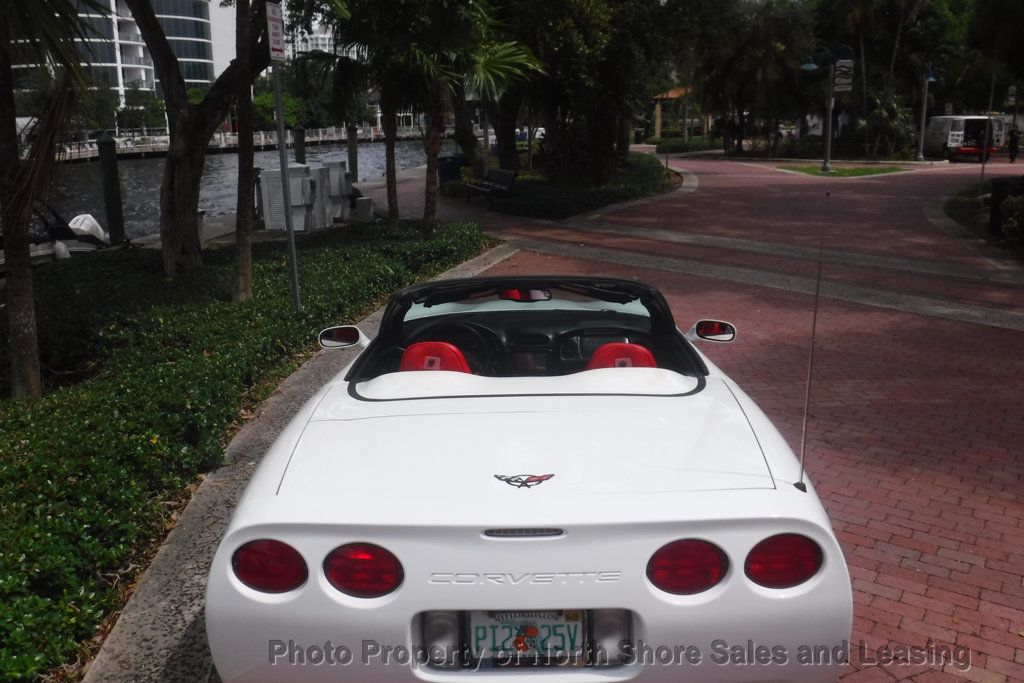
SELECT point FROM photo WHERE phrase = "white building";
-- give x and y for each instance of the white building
(117, 56)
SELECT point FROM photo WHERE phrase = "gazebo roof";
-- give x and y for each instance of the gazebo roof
(673, 94)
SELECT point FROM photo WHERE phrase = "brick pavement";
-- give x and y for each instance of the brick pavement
(916, 431)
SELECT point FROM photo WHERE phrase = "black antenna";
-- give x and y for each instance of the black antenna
(800, 485)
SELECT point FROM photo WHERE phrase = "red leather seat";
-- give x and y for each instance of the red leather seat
(433, 355)
(621, 355)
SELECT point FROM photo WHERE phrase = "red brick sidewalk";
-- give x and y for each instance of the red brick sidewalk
(916, 431)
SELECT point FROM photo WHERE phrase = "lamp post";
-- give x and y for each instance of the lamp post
(928, 78)
(811, 65)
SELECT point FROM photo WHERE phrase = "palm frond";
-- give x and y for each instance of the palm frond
(497, 64)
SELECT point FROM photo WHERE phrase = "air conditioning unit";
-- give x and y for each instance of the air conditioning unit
(273, 198)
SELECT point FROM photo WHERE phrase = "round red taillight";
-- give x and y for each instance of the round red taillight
(783, 561)
(688, 566)
(269, 566)
(363, 570)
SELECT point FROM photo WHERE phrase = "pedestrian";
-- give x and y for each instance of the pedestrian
(1014, 144)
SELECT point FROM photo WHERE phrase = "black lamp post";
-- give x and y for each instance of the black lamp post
(812, 65)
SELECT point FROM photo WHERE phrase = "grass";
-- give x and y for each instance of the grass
(849, 172)
(146, 380)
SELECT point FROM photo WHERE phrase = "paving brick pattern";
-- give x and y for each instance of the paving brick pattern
(916, 430)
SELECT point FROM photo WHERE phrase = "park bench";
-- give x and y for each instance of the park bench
(494, 181)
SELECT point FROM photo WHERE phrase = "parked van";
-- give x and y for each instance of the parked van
(955, 137)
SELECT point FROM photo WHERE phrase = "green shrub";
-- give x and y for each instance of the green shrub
(533, 195)
(161, 370)
(1013, 218)
(671, 132)
(679, 146)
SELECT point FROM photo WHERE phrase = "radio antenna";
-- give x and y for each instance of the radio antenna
(800, 485)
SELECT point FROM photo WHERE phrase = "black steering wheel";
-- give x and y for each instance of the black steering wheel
(481, 347)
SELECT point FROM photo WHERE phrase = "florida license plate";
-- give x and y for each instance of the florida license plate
(528, 637)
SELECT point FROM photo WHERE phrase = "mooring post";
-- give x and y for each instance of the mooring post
(300, 143)
(111, 188)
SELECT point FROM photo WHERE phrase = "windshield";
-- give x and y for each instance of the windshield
(494, 303)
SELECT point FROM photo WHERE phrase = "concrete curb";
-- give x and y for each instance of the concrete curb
(160, 636)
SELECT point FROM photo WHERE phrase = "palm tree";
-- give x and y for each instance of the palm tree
(485, 68)
(45, 31)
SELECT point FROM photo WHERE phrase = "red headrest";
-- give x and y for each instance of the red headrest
(621, 355)
(433, 355)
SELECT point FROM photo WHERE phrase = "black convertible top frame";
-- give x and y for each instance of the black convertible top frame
(613, 290)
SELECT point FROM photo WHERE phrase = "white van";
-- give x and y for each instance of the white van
(955, 137)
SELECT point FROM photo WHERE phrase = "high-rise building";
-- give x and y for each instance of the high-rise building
(117, 55)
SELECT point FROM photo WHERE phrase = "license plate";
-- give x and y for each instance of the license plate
(516, 637)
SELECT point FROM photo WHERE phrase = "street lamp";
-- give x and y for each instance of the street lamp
(811, 65)
(929, 77)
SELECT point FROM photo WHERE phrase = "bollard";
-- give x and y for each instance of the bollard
(299, 134)
(111, 188)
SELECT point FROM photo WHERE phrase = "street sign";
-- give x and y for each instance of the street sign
(844, 75)
(275, 31)
(1011, 95)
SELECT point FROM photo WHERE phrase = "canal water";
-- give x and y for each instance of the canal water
(78, 187)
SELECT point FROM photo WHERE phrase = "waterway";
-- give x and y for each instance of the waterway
(78, 187)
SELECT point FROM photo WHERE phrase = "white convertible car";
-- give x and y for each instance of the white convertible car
(529, 479)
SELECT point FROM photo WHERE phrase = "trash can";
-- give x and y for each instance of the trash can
(1001, 189)
(449, 168)
(638, 136)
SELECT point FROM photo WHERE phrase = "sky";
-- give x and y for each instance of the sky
(222, 31)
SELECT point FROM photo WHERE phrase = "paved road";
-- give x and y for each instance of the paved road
(916, 432)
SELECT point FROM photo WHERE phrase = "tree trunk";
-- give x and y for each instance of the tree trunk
(504, 114)
(26, 379)
(352, 143)
(435, 127)
(465, 137)
(180, 240)
(625, 135)
(246, 154)
(191, 126)
(389, 122)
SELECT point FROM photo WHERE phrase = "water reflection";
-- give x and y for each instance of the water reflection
(78, 187)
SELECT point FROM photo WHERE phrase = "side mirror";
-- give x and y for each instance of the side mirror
(343, 336)
(712, 330)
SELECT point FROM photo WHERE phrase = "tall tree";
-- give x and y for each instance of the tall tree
(43, 32)
(454, 50)
(192, 124)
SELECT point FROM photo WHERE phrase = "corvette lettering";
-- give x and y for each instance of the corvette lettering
(524, 578)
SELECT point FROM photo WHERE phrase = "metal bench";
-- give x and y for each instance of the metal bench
(495, 180)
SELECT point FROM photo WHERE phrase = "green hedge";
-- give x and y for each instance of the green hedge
(162, 369)
(535, 196)
(1013, 218)
(695, 144)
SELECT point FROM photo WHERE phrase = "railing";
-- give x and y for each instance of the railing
(131, 38)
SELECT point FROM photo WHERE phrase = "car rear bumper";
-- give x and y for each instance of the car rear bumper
(736, 631)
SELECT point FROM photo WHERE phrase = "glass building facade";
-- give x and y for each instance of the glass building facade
(118, 57)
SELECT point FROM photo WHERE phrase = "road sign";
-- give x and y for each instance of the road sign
(1011, 95)
(275, 31)
(844, 75)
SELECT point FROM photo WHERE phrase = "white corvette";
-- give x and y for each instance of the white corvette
(529, 479)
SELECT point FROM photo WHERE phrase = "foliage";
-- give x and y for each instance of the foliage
(1013, 218)
(85, 471)
(535, 195)
(142, 109)
(95, 107)
(678, 146)
(264, 111)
